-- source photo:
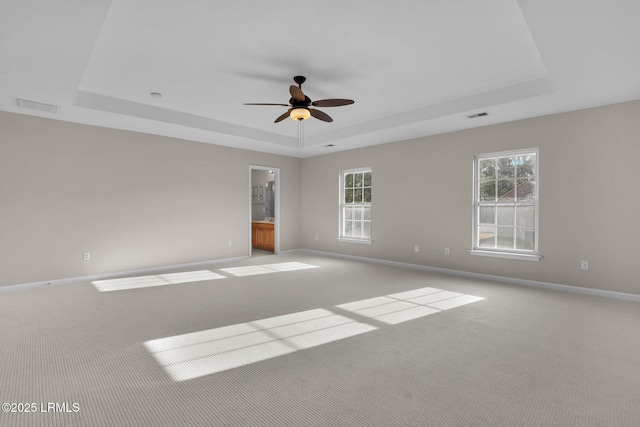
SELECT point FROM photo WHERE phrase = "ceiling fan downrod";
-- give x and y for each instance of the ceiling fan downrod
(299, 80)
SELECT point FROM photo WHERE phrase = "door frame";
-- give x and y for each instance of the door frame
(276, 202)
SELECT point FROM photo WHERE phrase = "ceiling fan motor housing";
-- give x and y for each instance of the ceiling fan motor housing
(298, 103)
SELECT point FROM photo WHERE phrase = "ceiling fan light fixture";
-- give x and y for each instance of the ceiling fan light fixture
(300, 114)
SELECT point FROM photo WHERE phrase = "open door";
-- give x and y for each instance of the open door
(264, 210)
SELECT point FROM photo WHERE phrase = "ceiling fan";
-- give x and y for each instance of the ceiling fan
(300, 104)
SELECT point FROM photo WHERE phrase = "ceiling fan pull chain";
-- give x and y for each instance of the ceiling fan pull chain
(300, 134)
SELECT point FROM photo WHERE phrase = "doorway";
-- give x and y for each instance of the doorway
(264, 210)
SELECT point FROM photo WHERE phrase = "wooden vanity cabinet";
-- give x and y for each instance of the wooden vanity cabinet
(262, 235)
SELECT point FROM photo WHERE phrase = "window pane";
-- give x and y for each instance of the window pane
(526, 189)
(366, 229)
(525, 238)
(486, 236)
(506, 189)
(487, 191)
(525, 216)
(348, 180)
(487, 168)
(506, 167)
(487, 215)
(367, 195)
(348, 227)
(357, 213)
(348, 213)
(357, 228)
(506, 215)
(366, 213)
(348, 196)
(357, 195)
(505, 238)
(367, 179)
(357, 179)
(526, 165)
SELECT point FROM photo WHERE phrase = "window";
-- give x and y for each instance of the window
(355, 205)
(506, 203)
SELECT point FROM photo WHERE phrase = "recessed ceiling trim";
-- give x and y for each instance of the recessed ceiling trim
(120, 106)
(502, 95)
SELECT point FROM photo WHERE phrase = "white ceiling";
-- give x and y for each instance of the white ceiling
(413, 67)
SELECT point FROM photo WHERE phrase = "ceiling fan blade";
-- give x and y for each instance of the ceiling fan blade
(320, 115)
(296, 93)
(281, 105)
(332, 102)
(282, 117)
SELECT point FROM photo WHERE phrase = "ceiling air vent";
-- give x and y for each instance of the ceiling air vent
(473, 116)
(38, 106)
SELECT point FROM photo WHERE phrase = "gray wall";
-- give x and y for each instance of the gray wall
(133, 200)
(422, 195)
(139, 201)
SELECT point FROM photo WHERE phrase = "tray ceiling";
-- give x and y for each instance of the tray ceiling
(414, 68)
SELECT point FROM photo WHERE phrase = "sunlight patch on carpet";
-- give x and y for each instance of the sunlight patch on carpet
(202, 353)
(405, 306)
(136, 282)
(252, 270)
(155, 280)
(197, 354)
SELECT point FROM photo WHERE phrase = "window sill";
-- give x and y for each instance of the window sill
(508, 255)
(358, 241)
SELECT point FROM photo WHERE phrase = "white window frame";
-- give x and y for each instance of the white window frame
(522, 254)
(342, 205)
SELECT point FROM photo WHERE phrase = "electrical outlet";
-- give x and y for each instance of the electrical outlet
(417, 248)
(86, 256)
(316, 238)
(230, 243)
(584, 265)
(446, 251)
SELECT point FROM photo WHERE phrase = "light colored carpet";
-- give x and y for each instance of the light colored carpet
(519, 357)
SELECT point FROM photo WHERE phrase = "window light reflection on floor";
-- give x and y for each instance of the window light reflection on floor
(252, 270)
(155, 280)
(290, 266)
(249, 270)
(197, 354)
(404, 306)
(202, 353)
(194, 276)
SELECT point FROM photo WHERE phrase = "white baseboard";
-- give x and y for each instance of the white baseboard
(501, 279)
(155, 270)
